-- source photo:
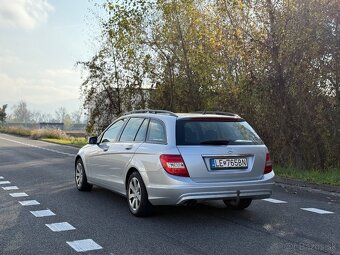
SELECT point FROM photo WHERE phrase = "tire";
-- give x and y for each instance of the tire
(80, 177)
(242, 204)
(137, 196)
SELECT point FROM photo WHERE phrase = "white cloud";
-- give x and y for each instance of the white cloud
(26, 14)
(50, 88)
(7, 58)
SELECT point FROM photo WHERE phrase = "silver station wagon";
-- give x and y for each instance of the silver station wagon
(156, 157)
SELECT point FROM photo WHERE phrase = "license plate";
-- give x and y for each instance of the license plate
(228, 163)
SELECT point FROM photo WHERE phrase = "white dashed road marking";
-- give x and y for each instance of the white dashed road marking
(29, 202)
(275, 201)
(315, 210)
(42, 148)
(84, 245)
(10, 188)
(5, 182)
(62, 226)
(19, 194)
(43, 213)
(1, 177)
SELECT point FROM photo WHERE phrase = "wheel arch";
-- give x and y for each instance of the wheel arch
(128, 174)
(143, 175)
(76, 159)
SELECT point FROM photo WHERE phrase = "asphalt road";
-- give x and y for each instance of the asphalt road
(45, 173)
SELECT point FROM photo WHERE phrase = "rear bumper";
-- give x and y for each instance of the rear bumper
(180, 194)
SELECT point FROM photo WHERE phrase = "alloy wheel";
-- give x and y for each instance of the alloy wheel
(134, 194)
(79, 174)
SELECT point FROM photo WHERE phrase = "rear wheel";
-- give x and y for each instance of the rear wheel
(80, 177)
(240, 205)
(137, 196)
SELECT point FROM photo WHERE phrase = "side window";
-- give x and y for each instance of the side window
(140, 137)
(111, 134)
(156, 132)
(131, 129)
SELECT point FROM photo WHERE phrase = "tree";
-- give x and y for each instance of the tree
(60, 114)
(3, 114)
(21, 113)
(274, 62)
(76, 116)
(115, 75)
(68, 122)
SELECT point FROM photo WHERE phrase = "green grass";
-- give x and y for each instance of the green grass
(78, 142)
(327, 176)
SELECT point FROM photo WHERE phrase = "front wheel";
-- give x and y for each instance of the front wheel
(242, 203)
(137, 196)
(80, 177)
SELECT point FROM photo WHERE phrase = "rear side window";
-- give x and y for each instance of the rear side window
(156, 132)
(212, 132)
(131, 129)
(111, 134)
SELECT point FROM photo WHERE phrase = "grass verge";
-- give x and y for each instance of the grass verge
(49, 135)
(326, 176)
(75, 141)
(15, 131)
(35, 133)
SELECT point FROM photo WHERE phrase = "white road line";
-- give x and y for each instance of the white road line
(38, 147)
(5, 182)
(1, 177)
(42, 213)
(19, 194)
(29, 202)
(62, 226)
(275, 201)
(315, 210)
(84, 245)
(10, 188)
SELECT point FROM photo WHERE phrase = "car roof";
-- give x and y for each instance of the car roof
(206, 115)
(168, 114)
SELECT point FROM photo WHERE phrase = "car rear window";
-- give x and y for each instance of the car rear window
(215, 132)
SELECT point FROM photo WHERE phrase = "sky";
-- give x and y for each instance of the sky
(40, 43)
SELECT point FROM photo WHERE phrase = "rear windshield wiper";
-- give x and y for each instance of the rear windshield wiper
(216, 142)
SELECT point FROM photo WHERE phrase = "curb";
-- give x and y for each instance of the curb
(293, 182)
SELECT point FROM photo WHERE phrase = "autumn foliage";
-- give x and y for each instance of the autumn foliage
(274, 62)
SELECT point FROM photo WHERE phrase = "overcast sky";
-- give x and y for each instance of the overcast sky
(40, 42)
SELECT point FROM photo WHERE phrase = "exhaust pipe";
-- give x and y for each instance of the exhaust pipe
(190, 202)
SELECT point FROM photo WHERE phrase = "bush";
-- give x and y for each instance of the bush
(48, 133)
(16, 131)
(35, 133)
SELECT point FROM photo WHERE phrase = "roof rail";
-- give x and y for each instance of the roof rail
(217, 113)
(152, 111)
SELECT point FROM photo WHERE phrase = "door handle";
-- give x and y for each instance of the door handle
(128, 147)
(106, 148)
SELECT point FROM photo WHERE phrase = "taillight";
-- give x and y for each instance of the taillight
(268, 166)
(174, 164)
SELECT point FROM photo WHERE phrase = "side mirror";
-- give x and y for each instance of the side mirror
(93, 140)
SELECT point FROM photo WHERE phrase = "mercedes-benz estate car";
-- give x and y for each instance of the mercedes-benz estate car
(158, 157)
